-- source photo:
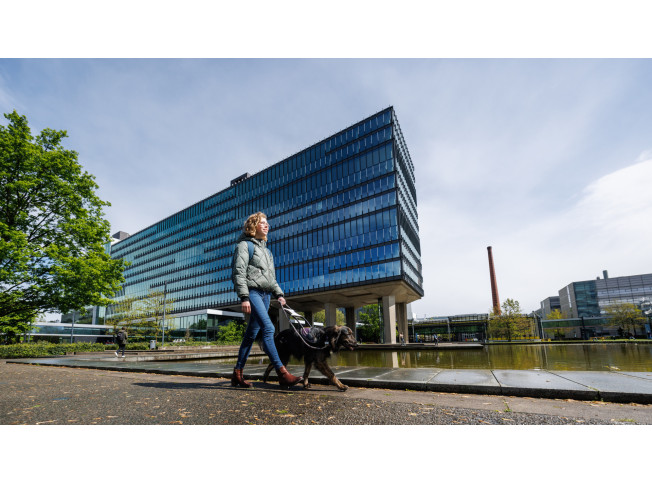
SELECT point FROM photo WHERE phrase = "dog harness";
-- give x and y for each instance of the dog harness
(308, 334)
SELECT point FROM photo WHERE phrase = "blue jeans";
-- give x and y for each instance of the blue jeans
(259, 319)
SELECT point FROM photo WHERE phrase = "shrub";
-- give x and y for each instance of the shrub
(131, 346)
(44, 349)
(232, 333)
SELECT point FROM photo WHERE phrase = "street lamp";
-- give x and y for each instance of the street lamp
(165, 291)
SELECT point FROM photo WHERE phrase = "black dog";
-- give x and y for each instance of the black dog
(314, 347)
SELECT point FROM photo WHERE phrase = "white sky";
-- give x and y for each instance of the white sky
(549, 161)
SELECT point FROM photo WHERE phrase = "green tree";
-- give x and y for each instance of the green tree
(232, 333)
(371, 328)
(152, 307)
(13, 329)
(625, 316)
(556, 315)
(52, 230)
(340, 318)
(511, 323)
(124, 312)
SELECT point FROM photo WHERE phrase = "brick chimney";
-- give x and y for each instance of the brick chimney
(494, 286)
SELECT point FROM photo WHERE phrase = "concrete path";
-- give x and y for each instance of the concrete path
(623, 387)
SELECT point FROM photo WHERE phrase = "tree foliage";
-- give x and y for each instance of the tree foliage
(511, 323)
(13, 329)
(232, 333)
(371, 328)
(340, 318)
(145, 315)
(152, 309)
(123, 313)
(626, 316)
(556, 315)
(52, 230)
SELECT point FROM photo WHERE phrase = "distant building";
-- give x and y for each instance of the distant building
(548, 305)
(121, 235)
(590, 298)
(579, 299)
(633, 289)
(453, 328)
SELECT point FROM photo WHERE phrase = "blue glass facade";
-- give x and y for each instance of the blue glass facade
(580, 299)
(343, 215)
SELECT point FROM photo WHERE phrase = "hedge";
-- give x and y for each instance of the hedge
(42, 349)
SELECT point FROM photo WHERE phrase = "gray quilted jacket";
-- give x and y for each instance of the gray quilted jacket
(256, 273)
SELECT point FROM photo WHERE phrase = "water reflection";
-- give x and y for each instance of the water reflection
(577, 357)
(394, 359)
(563, 357)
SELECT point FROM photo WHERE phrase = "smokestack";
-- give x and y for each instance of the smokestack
(494, 286)
(605, 274)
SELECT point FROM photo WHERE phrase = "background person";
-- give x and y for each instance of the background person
(255, 283)
(121, 340)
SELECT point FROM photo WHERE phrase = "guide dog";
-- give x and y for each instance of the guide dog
(314, 345)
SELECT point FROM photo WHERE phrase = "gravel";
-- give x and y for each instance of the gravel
(37, 395)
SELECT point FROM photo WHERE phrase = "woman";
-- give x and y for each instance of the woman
(255, 282)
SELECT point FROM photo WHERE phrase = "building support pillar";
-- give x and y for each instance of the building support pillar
(389, 319)
(350, 318)
(330, 310)
(402, 320)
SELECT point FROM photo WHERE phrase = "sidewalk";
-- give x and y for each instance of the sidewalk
(608, 386)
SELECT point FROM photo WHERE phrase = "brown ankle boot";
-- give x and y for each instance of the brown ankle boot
(238, 380)
(285, 378)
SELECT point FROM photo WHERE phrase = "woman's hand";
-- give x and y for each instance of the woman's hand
(281, 300)
(246, 307)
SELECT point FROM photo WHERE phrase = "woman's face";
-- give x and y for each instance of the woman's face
(262, 228)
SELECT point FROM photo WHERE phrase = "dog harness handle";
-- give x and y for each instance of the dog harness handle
(296, 316)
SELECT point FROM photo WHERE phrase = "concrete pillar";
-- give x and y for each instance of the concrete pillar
(350, 318)
(308, 315)
(401, 319)
(331, 314)
(389, 319)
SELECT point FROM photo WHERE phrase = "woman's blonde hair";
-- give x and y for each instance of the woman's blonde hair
(249, 227)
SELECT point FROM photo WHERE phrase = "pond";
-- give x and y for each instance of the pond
(562, 357)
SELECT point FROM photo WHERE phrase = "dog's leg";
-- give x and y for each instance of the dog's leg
(267, 371)
(326, 371)
(306, 373)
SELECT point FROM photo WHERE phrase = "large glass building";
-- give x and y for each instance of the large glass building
(591, 298)
(632, 289)
(579, 299)
(344, 234)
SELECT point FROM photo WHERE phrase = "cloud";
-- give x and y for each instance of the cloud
(619, 204)
(607, 228)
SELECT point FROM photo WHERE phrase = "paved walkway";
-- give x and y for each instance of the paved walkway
(624, 387)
